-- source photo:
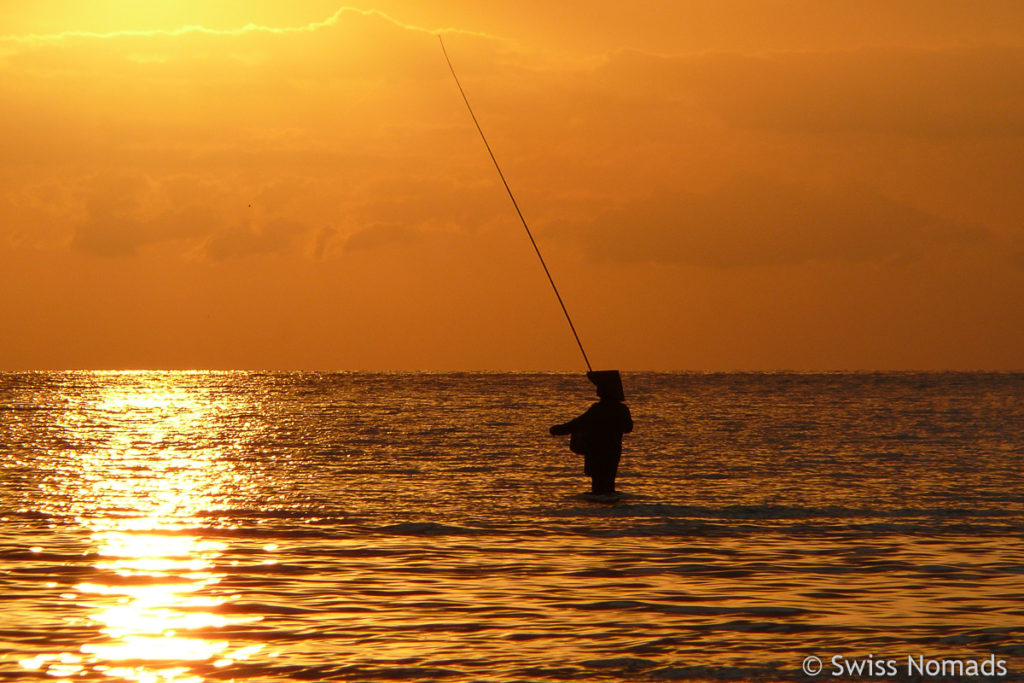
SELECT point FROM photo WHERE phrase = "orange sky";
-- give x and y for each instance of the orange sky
(751, 184)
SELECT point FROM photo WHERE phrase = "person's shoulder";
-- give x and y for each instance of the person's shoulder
(619, 407)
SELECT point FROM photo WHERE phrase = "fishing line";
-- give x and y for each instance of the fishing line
(515, 204)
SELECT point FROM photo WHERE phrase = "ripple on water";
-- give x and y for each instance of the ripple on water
(262, 526)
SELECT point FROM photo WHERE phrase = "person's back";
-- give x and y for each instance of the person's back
(607, 420)
(597, 433)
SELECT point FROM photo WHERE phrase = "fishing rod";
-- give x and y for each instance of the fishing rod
(515, 204)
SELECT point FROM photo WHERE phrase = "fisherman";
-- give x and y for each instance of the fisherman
(597, 433)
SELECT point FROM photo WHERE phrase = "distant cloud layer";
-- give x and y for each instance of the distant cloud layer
(356, 114)
(972, 92)
(713, 143)
(757, 222)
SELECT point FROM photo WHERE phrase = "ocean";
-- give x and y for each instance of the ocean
(260, 526)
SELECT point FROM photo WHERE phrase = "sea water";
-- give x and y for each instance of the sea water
(246, 526)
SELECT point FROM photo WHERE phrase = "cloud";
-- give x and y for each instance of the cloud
(321, 242)
(126, 212)
(757, 222)
(248, 240)
(915, 92)
(1015, 249)
(338, 16)
(377, 236)
(331, 110)
(354, 122)
(120, 234)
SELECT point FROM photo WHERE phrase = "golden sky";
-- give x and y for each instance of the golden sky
(716, 185)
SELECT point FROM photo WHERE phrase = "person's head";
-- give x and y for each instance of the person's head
(608, 383)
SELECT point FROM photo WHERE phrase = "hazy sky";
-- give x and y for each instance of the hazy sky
(739, 184)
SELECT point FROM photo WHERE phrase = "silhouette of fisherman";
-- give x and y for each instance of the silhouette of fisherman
(597, 433)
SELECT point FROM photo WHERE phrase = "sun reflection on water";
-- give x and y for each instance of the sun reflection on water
(148, 472)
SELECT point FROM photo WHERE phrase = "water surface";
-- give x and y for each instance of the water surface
(298, 526)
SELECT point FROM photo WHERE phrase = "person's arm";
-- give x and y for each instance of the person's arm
(567, 428)
(572, 425)
(627, 422)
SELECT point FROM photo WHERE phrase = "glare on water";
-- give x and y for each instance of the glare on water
(141, 485)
